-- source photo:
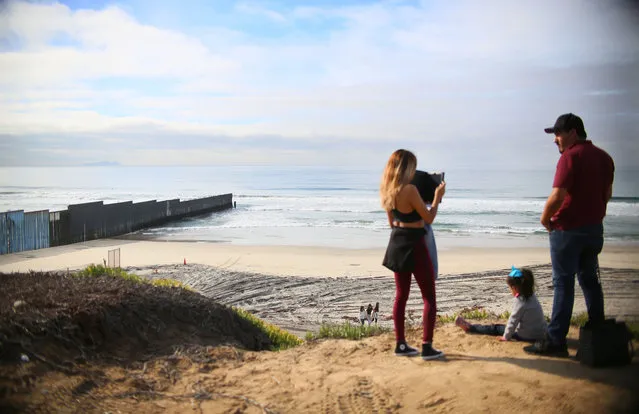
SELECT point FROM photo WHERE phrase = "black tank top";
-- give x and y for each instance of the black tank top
(411, 217)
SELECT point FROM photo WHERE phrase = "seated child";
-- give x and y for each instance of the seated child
(526, 323)
(362, 315)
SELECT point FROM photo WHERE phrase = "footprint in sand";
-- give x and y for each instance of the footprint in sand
(360, 396)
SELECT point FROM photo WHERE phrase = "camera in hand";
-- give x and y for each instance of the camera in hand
(426, 184)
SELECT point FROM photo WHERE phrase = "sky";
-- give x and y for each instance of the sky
(464, 84)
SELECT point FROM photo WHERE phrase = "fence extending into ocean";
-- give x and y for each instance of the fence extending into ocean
(22, 231)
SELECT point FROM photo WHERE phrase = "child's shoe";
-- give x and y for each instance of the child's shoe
(462, 323)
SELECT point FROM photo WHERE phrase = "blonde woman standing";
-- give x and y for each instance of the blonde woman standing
(406, 253)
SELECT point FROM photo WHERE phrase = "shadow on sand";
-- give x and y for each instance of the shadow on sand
(626, 377)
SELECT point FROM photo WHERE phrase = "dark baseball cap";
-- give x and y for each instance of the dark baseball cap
(565, 123)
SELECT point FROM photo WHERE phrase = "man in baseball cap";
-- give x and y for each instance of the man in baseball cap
(567, 122)
(573, 216)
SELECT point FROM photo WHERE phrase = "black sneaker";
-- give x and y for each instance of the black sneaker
(402, 349)
(547, 348)
(428, 352)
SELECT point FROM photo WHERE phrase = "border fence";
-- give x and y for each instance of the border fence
(20, 231)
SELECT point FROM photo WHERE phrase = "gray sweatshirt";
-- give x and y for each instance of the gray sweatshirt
(527, 319)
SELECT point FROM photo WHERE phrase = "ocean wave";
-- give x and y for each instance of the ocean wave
(318, 210)
(625, 199)
(244, 223)
(450, 206)
(493, 230)
(336, 209)
(199, 226)
(357, 194)
(613, 199)
(313, 189)
(275, 224)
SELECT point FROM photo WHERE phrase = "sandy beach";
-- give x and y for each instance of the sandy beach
(286, 260)
(298, 289)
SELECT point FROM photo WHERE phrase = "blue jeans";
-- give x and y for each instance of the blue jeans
(429, 238)
(573, 252)
(495, 330)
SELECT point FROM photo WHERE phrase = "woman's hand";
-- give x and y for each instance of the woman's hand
(440, 191)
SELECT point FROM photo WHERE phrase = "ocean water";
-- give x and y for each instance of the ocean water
(316, 206)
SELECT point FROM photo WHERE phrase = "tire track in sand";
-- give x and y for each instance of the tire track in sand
(303, 303)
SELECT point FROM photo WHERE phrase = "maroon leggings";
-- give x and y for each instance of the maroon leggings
(425, 278)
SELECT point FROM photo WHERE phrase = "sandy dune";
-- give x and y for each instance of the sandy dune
(479, 374)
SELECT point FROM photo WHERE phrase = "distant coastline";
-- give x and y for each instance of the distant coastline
(102, 164)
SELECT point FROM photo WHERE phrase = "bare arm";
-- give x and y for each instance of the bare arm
(428, 215)
(609, 194)
(390, 218)
(555, 199)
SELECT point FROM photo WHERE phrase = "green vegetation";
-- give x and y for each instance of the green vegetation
(474, 314)
(94, 270)
(505, 315)
(170, 283)
(478, 314)
(346, 331)
(100, 270)
(579, 319)
(446, 318)
(281, 338)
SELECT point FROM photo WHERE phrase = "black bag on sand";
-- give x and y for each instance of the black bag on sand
(605, 344)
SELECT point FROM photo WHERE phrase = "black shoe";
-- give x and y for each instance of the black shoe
(402, 349)
(428, 352)
(547, 348)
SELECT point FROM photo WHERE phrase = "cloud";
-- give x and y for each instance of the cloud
(256, 9)
(98, 44)
(307, 83)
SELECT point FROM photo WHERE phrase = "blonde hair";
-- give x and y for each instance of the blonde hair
(399, 170)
